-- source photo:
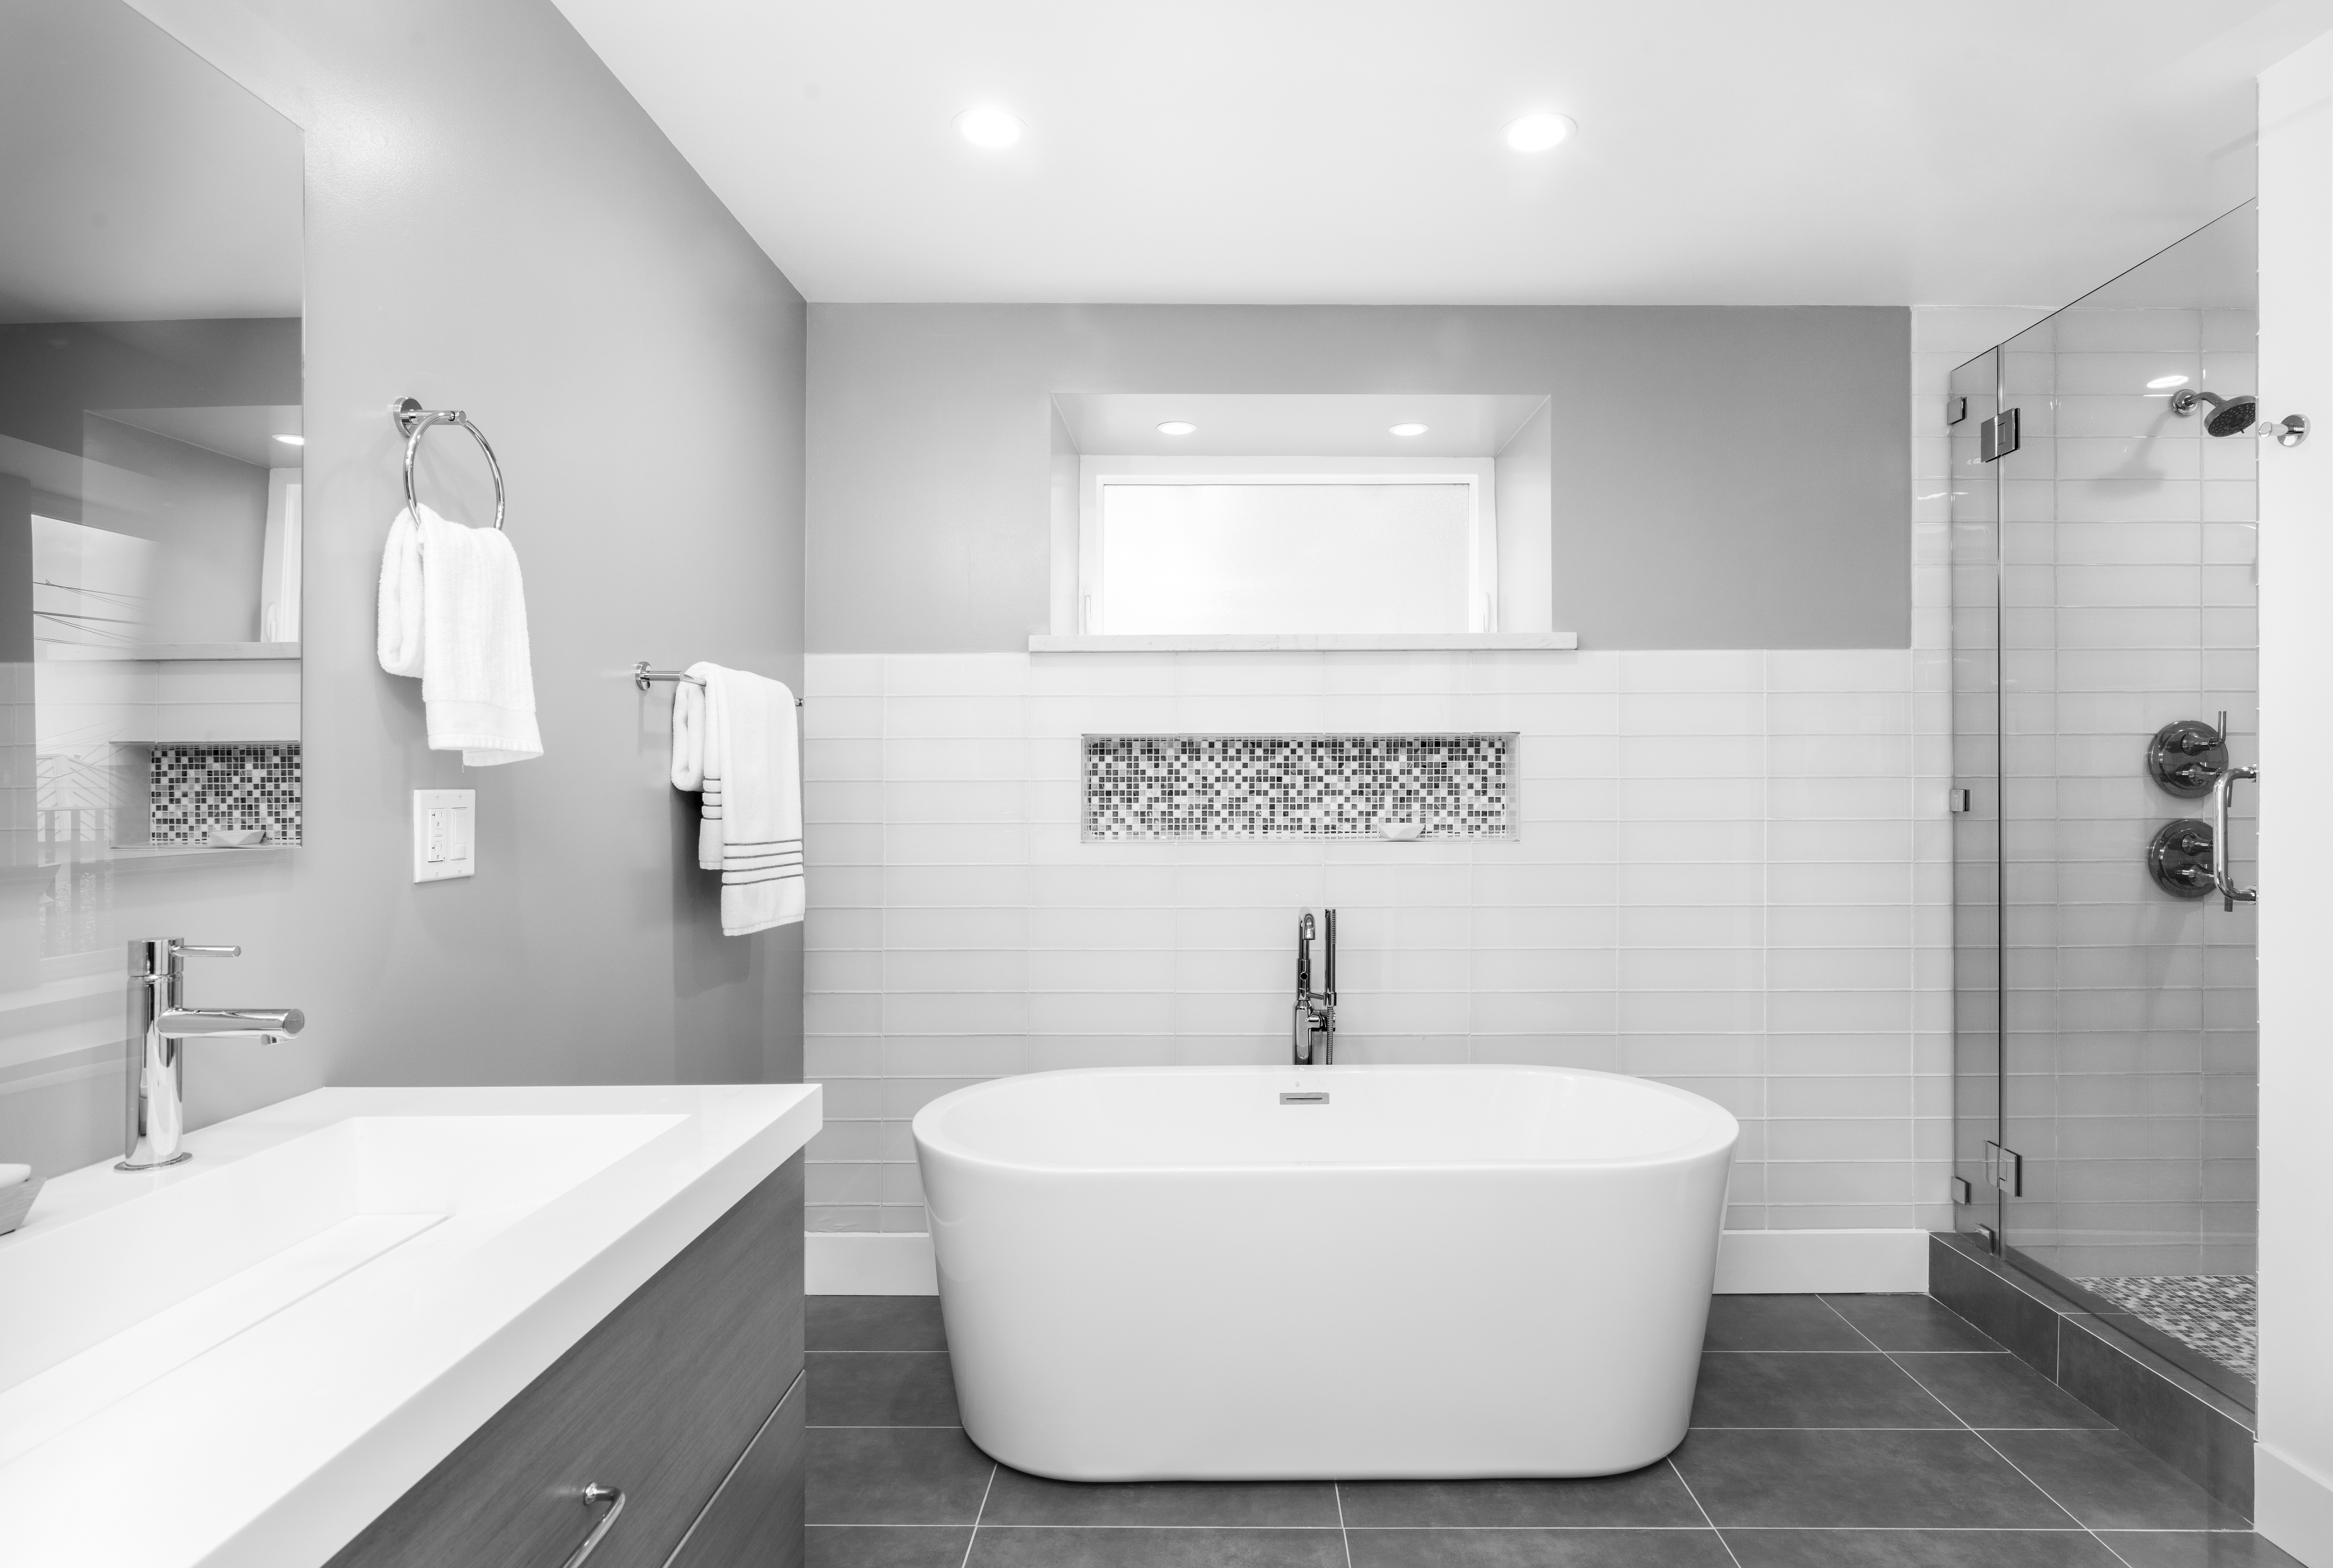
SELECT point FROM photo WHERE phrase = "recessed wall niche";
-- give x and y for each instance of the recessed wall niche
(1278, 786)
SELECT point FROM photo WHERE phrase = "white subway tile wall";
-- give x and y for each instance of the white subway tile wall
(1732, 873)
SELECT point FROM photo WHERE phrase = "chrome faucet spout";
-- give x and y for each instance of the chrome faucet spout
(1312, 1041)
(155, 1112)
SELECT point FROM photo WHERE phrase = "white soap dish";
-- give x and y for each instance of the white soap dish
(236, 837)
(1401, 830)
(16, 1201)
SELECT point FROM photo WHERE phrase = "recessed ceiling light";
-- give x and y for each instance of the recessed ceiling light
(1538, 132)
(1410, 427)
(293, 440)
(1176, 427)
(2160, 382)
(988, 128)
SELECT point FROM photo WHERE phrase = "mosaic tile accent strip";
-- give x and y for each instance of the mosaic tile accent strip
(191, 790)
(1215, 786)
(2217, 1314)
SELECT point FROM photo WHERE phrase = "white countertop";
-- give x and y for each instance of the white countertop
(246, 1373)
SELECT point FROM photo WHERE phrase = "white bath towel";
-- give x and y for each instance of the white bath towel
(452, 615)
(735, 740)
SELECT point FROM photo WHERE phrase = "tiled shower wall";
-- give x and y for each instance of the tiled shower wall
(1731, 875)
(2130, 537)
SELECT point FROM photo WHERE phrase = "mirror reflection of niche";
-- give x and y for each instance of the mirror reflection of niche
(150, 391)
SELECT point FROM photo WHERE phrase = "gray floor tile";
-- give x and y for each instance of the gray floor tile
(1650, 1496)
(873, 1323)
(1537, 1549)
(1139, 1548)
(886, 1545)
(1022, 1499)
(1918, 1549)
(1872, 1480)
(2198, 1549)
(2109, 1483)
(1811, 1389)
(1777, 1323)
(1910, 1322)
(896, 1477)
(1997, 1390)
(878, 1389)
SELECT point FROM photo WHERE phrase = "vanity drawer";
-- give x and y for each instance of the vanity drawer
(660, 1400)
(755, 1519)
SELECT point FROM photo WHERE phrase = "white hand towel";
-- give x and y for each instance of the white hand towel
(453, 613)
(738, 740)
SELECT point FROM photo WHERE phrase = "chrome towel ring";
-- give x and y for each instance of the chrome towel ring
(413, 421)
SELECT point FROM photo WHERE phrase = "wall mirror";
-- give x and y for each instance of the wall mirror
(150, 461)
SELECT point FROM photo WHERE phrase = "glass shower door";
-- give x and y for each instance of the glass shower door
(2124, 612)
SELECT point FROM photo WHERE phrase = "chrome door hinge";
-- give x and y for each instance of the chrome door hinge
(2006, 1169)
(1962, 1191)
(1956, 800)
(1997, 436)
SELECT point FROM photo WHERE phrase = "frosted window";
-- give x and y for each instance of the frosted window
(1230, 558)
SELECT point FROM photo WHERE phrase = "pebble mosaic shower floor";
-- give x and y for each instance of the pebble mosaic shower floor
(2217, 1314)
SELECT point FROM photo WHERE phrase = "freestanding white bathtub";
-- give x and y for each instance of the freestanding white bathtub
(1179, 1273)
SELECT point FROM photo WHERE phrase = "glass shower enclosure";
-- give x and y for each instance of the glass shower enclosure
(2105, 650)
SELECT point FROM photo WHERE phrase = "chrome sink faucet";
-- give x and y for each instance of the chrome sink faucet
(1313, 1035)
(159, 1023)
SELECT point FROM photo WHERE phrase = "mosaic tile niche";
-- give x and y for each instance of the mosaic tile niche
(1218, 786)
(191, 790)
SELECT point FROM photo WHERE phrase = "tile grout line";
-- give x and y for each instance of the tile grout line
(972, 1540)
(1973, 1432)
(1694, 1497)
(1336, 1490)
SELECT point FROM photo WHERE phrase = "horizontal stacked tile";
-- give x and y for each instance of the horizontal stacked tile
(1729, 871)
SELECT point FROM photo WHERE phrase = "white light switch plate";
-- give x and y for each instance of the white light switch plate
(445, 834)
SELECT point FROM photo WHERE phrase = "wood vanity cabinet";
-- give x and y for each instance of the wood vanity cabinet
(688, 1397)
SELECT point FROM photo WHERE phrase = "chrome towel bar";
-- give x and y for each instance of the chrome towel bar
(642, 675)
(413, 421)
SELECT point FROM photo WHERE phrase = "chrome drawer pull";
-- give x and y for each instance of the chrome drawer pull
(593, 1495)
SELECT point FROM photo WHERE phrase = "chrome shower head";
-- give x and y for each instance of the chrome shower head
(2230, 416)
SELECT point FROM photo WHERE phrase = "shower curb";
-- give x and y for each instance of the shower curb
(2195, 1429)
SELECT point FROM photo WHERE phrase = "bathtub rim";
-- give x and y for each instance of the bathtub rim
(1724, 1139)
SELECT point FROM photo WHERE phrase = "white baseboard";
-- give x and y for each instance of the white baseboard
(2292, 1507)
(863, 1263)
(1749, 1262)
(1847, 1262)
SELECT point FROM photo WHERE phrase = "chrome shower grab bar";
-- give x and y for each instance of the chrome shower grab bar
(2231, 895)
(413, 421)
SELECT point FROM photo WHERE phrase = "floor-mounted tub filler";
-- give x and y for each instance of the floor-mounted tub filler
(1353, 1272)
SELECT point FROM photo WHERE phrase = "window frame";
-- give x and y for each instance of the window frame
(1096, 473)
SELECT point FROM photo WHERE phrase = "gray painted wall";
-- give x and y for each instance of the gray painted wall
(1725, 477)
(494, 224)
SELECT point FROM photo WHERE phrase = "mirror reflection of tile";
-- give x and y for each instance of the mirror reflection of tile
(220, 794)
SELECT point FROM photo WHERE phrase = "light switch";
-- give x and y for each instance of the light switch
(445, 834)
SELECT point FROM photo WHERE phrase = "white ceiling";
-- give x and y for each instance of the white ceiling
(1284, 424)
(1780, 152)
